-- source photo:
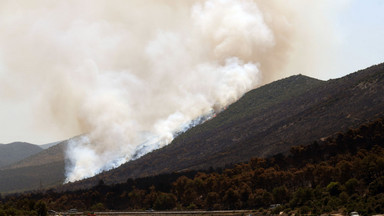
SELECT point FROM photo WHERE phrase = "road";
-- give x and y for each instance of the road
(166, 213)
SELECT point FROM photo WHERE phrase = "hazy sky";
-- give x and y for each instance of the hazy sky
(356, 33)
(360, 28)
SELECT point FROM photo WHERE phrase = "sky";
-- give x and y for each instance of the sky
(360, 29)
(355, 29)
(353, 39)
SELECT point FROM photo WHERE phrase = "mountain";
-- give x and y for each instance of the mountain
(52, 154)
(266, 121)
(44, 169)
(32, 178)
(13, 152)
(344, 173)
(48, 145)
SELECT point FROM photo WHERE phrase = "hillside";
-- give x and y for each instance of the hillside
(48, 145)
(49, 155)
(344, 173)
(32, 178)
(13, 152)
(266, 121)
(44, 169)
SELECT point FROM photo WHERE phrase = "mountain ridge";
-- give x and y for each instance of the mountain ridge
(311, 114)
(265, 121)
(44, 169)
(13, 152)
(55, 153)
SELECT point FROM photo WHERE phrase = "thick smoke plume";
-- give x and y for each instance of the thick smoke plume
(129, 75)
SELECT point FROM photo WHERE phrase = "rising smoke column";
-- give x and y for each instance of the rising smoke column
(194, 70)
(129, 75)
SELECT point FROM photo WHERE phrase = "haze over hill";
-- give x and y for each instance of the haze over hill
(13, 152)
(55, 153)
(43, 169)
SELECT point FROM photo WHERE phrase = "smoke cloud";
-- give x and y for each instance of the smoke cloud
(130, 75)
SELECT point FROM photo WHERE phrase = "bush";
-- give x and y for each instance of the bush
(334, 188)
(98, 207)
(41, 208)
(165, 201)
(351, 185)
(377, 186)
(280, 194)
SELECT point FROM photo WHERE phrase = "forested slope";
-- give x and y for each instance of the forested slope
(341, 174)
(266, 121)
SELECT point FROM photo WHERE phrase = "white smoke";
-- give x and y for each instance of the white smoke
(130, 75)
(192, 70)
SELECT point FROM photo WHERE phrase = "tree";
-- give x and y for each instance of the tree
(136, 198)
(377, 186)
(260, 198)
(212, 199)
(232, 199)
(344, 170)
(280, 194)
(165, 201)
(151, 197)
(334, 188)
(41, 208)
(351, 185)
(98, 207)
(180, 187)
(302, 196)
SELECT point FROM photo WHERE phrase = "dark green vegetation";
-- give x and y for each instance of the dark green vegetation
(43, 169)
(343, 173)
(265, 121)
(13, 152)
(29, 207)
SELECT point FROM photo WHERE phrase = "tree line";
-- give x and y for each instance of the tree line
(342, 173)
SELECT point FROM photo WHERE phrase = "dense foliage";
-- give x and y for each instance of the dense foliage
(342, 173)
